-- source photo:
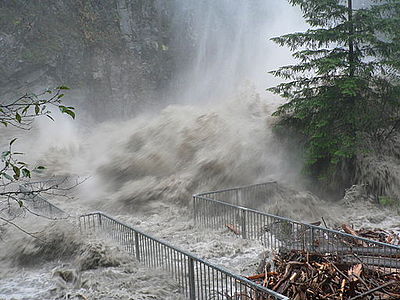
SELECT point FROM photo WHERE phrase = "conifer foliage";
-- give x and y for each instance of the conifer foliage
(346, 87)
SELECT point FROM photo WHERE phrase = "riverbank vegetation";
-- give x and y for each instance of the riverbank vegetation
(343, 96)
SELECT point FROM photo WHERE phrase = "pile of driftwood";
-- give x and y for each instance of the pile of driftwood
(304, 275)
(380, 235)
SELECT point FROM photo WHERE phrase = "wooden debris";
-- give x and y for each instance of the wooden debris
(262, 275)
(233, 229)
(355, 273)
(306, 275)
(316, 223)
(351, 231)
(380, 235)
(374, 290)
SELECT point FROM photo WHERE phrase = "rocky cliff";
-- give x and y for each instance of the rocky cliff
(108, 52)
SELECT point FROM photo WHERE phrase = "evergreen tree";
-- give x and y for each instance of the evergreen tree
(345, 88)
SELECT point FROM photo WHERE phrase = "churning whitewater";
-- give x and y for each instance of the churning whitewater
(144, 171)
(214, 132)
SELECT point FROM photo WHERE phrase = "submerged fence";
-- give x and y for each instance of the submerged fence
(221, 208)
(35, 203)
(200, 279)
(197, 278)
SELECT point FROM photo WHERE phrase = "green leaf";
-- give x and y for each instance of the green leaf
(4, 123)
(37, 109)
(17, 172)
(67, 110)
(4, 154)
(70, 112)
(21, 203)
(18, 117)
(60, 96)
(39, 169)
(26, 173)
(62, 87)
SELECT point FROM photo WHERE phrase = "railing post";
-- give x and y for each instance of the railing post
(236, 201)
(100, 222)
(194, 210)
(244, 229)
(137, 246)
(312, 239)
(192, 285)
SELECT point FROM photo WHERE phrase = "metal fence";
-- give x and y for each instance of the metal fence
(35, 203)
(197, 278)
(221, 208)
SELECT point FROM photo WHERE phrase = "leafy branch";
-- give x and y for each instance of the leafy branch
(20, 114)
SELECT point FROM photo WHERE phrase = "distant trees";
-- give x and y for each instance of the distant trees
(20, 114)
(346, 87)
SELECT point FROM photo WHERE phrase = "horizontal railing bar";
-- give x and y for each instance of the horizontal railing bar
(235, 188)
(38, 182)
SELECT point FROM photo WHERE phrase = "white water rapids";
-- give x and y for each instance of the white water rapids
(143, 171)
(144, 174)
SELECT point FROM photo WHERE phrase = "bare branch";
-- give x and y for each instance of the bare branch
(21, 229)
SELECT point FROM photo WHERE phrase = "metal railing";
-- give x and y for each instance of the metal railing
(35, 203)
(197, 278)
(221, 208)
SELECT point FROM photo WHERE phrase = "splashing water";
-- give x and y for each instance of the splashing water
(212, 135)
(181, 151)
